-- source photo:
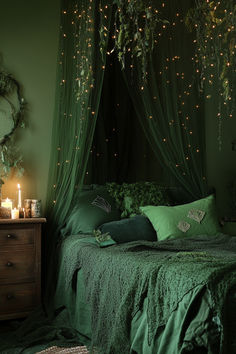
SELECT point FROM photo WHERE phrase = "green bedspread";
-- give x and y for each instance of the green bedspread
(119, 278)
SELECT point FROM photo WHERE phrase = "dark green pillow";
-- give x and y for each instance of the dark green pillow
(131, 229)
(196, 218)
(92, 208)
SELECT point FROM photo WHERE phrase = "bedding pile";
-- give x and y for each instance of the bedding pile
(120, 277)
(39, 332)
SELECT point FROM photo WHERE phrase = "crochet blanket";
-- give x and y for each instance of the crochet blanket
(118, 278)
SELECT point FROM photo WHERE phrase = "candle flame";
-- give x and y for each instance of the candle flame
(18, 186)
(7, 200)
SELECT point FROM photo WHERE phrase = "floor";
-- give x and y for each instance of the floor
(9, 325)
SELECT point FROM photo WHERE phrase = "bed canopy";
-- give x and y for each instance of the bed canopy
(162, 89)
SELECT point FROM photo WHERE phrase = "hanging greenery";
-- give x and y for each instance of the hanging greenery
(215, 26)
(135, 30)
(9, 155)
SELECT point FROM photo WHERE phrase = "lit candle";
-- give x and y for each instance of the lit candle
(15, 213)
(19, 196)
(6, 203)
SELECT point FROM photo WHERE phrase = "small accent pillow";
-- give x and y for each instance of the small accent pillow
(103, 240)
(196, 218)
(93, 208)
(131, 229)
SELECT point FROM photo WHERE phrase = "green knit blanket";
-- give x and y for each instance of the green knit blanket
(120, 277)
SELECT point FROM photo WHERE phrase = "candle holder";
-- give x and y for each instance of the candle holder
(22, 213)
(35, 208)
(15, 213)
(5, 213)
(6, 203)
(27, 207)
(5, 209)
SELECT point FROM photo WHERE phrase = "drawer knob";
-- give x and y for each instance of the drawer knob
(10, 296)
(9, 236)
(9, 264)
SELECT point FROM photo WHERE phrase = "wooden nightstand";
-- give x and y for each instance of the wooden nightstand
(20, 266)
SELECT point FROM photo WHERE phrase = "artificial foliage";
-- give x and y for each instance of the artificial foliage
(130, 196)
(136, 30)
(10, 157)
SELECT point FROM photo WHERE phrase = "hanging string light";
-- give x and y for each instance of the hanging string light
(214, 24)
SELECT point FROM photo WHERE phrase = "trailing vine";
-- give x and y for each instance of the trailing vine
(9, 155)
(135, 30)
(215, 26)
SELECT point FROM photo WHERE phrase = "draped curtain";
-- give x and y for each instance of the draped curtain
(120, 151)
(81, 68)
(167, 101)
(169, 105)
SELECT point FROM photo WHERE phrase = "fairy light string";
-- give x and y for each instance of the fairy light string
(214, 23)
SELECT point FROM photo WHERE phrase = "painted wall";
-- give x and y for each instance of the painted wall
(28, 49)
(221, 164)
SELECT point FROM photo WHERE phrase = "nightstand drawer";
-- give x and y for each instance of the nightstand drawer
(17, 264)
(16, 236)
(17, 298)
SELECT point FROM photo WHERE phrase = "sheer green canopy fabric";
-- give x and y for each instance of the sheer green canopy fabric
(169, 105)
(167, 101)
(79, 83)
(81, 67)
(120, 150)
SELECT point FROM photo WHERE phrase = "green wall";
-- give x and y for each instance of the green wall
(221, 164)
(28, 49)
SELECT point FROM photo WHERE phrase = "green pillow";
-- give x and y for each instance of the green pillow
(196, 218)
(132, 229)
(92, 208)
(103, 240)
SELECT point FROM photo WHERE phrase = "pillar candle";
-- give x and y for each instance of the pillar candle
(15, 213)
(19, 197)
(6, 203)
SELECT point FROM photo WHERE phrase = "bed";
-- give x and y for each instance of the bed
(174, 295)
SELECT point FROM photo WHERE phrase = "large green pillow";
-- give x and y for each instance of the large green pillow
(196, 218)
(92, 208)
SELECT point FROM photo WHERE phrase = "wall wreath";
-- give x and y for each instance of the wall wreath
(12, 106)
